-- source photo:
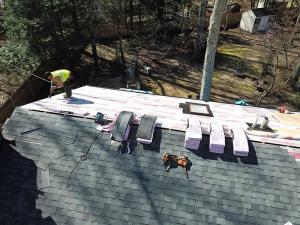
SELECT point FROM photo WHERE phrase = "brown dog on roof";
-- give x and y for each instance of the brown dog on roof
(173, 161)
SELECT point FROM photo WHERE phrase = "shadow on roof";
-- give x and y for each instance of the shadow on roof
(141, 178)
(228, 155)
(154, 146)
(252, 158)
(79, 101)
(18, 192)
(156, 142)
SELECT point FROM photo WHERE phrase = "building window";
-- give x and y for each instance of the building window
(257, 20)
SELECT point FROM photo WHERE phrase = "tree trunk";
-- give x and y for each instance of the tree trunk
(124, 13)
(94, 49)
(294, 75)
(60, 27)
(140, 18)
(296, 72)
(62, 49)
(226, 21)
(183, 19)
(75, 21)
(160, 7)
(131, 14)
(76, 25)
(296, 25)
(202, 15)
(199, 40)
(121, 48)
(119, 27)
(136, 66)
(273, 82)
(212, 40)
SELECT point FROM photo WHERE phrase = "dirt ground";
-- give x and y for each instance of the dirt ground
(173, 73)
(9, 82)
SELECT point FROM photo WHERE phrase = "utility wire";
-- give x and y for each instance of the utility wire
(20, 69)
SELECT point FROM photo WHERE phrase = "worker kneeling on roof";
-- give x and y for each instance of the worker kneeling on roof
(60, 79)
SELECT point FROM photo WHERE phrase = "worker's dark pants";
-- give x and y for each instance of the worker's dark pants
(68, 88)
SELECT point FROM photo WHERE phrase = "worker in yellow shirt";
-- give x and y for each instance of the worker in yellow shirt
(60, 79)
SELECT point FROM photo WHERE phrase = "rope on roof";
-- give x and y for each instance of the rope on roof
(20, 69)
(83, 157)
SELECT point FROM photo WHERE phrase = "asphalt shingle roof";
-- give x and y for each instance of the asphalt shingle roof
(113, 188)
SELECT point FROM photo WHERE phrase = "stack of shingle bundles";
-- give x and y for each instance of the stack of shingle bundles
(217, 138)
(240, 142)
(193, 135)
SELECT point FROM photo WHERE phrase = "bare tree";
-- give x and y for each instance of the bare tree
(202, 15)
(212, 40)
(274, 74)
(199, 35)
(93, 13)
(295, 75)
(277, 40)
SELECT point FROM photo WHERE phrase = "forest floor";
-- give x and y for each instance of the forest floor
(9, 83)
(239, 64)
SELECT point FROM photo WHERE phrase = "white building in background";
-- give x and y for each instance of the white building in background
(255, 20)
(285, 3)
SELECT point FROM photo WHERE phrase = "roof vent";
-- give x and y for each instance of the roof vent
(196, 109)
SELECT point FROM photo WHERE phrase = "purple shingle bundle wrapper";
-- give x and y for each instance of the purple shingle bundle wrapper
(193, 135)
(217, 138)
(240, 142)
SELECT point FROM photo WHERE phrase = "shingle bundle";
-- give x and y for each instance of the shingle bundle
(193, 135)
(217, 138)
(240, 142)
(121, 127)
(146, 129)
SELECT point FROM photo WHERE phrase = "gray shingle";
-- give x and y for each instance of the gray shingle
(113, 188)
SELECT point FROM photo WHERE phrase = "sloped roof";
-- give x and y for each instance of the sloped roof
(260, 12)
(113, 188)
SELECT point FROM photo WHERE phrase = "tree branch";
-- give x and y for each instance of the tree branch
(273, 81)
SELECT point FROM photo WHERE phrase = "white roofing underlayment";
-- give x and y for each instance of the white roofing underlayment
(87, 101)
